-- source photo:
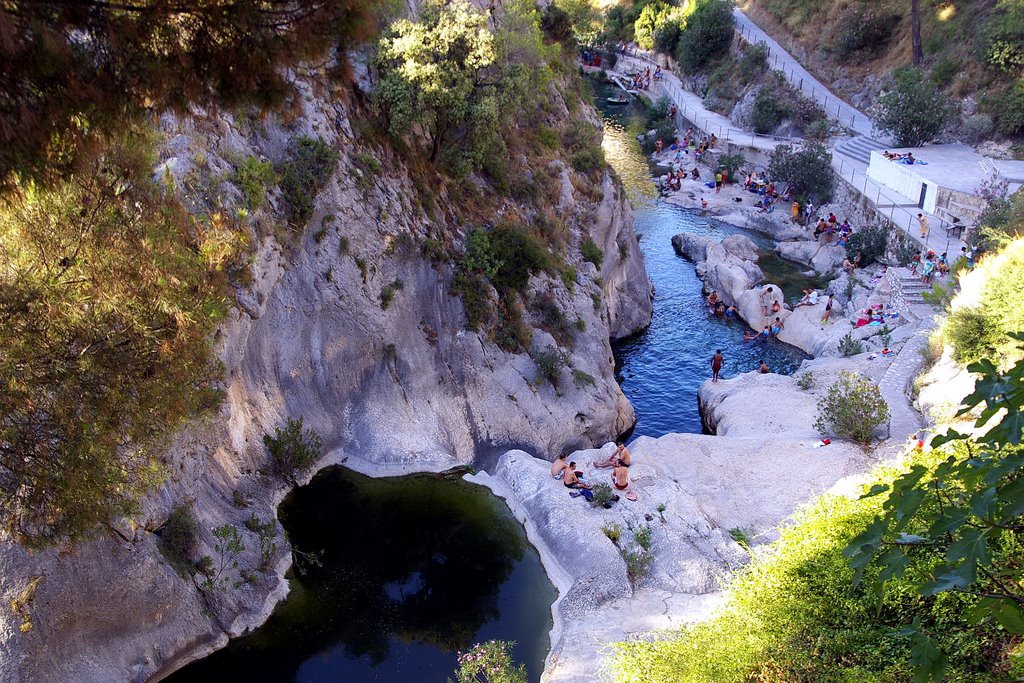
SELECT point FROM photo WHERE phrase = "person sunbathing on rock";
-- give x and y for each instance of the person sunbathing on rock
(620, 476)
(621, 454)
(559, 466)
(572, 480)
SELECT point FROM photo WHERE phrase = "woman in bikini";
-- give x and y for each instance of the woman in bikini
(620, 476)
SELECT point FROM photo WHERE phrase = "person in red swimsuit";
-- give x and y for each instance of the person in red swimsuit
(620, 476)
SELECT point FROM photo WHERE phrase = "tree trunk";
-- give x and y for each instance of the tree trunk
(915, 30)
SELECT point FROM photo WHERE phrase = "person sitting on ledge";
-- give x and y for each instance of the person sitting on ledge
(572, 480)
(712, 298)
(620, 476)
(731, 312)
(559, 466)
(810, 298)
(620, 454)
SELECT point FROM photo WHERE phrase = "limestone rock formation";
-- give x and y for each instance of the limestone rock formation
(709, 485)
(349, 325)
(824, 258)
(728, 268)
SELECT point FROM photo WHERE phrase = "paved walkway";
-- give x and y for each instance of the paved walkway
(888, 203)
(837, 109)
(690, 107)
(904, 419)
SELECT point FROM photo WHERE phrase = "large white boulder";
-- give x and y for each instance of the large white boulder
(824, 258)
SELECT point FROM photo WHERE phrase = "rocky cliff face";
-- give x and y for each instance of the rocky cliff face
(392, 387)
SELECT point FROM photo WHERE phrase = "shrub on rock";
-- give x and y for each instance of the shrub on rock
(292, 449)
(853, 409)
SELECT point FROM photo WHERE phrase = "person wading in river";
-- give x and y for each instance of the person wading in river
(716, 364)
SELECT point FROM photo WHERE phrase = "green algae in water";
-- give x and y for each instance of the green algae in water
(789, 275)
(414, 569)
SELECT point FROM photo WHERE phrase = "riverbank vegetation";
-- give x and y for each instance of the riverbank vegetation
(153, 57)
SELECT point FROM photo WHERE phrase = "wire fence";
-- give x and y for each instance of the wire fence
(900, 212)
(801, 79)
(888, 206)
(670, 86)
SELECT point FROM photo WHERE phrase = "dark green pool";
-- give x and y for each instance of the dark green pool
(414, 569)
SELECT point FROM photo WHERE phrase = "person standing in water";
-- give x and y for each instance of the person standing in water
(716, 364)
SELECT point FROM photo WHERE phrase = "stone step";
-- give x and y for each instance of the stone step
(859, 148)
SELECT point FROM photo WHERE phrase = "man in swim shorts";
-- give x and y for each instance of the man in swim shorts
(571, 481)
(559, 466)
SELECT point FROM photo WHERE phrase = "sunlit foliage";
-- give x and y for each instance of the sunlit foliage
(73, 71)
(108, 293)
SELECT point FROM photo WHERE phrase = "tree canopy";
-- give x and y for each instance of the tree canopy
(451, 80)
(914, 111)
(706, 35)
(108, 293)
(807, 170)
(73, 71)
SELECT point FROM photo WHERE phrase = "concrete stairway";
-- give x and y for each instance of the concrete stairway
(859, 148)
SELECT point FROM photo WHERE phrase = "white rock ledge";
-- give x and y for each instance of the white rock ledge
(708, 484)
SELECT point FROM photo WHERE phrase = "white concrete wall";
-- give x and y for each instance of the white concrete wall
(902, 179)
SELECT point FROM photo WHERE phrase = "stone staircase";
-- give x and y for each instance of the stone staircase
(912, 288)
(859, 148)
(907, 295)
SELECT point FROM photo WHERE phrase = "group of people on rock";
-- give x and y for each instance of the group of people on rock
(874, 315)
(642, 80)
(926, 265)
(828, 229)
(590, 57)
(718, 307)
(564, 470)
